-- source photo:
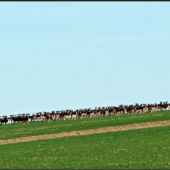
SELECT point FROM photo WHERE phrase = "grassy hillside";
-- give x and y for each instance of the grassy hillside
(11, 131)
(142, 148)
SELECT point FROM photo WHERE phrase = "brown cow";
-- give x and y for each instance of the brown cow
(59, 115)
(67, 115)
(83, 113)
(33, 118)
(73, 114)
(104, 111)
(92, 113)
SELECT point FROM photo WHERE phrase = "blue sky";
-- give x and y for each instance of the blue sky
(73, 55)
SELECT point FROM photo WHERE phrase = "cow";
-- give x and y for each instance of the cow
(145, 108)
(73, 114)
(78, 113)
(67, 115)
(57, 115)
(119, 110)
(168, 106)
(138, 108)
(155, 107)
(92, 113)
(160, 106)
(98, 111)
(26, 118)
(13, 118)
(9, 119)
(83, 113)
(111, 110)
(4, 119)
(104, 111)
(47, 116)
(165, 105)
(33, 118)
(53, 114)
(19, 118)
(37, 117)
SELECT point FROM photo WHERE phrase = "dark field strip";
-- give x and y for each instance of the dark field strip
(11, 131)
(133, 149)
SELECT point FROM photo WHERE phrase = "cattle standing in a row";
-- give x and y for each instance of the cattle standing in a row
(83, 113)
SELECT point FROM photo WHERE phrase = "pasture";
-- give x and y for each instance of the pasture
(11, 131)
(134, 149)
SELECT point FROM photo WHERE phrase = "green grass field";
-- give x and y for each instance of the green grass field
(134, 149)
(11, 131)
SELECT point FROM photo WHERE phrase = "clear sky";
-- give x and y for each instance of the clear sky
(76, 55)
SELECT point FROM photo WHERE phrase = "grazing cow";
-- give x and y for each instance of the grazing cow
(165, 105)
(59, 115)
(83, 113)
(119, 110)
(26, 118)
(160, 106)
(168, 106)
(111, 110)
(48, 116)
(150, 106)
(88, 111)
(4, 119)
(78, 113)
(92, 113)
(155, 107)
(73, 114)
(102, 110)
(43, 117)
(105, 111)
(13, 118)
(53, 114)
(114, 110)
(130, 109)
(67, 115)
(145, 108)
(138, 108)
(98, 111)
(9, 119)
(20, 118)
(33, 118)
(38, 116)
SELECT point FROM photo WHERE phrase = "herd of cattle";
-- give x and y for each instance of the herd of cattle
(82, 113)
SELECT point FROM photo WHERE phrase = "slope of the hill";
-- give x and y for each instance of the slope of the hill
(87, 132)
(132, 149)
(11, 131)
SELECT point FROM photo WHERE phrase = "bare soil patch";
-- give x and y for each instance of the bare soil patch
(86, 132)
